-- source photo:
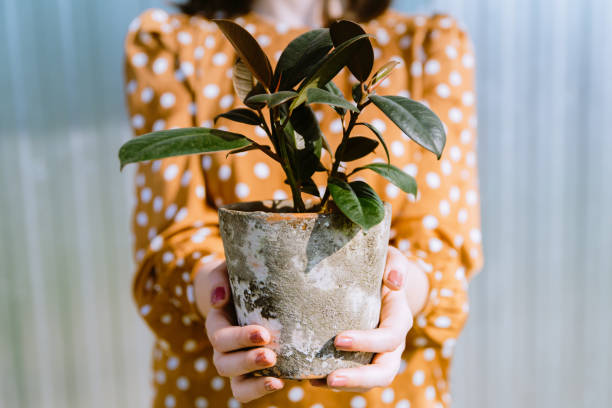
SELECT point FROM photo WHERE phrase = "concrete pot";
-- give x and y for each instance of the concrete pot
(306, 277)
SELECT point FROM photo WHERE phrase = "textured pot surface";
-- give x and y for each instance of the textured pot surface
(305, 277)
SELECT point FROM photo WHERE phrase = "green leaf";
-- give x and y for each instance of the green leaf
(357, 93)
(241, 115)
(379, 136)
(304, 121)
(356, 147)
(382, 73)
(179, 142)
(329, 68)
(334, 90)
(396, 176)
(414, 119)
(317, 95)
(309, 187)
(358, 201)
(362, 59)
(258, 89)
(248, 50)
(301, 57)
(272, 100)
(243, 80)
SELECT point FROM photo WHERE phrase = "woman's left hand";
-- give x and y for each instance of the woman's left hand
(388, 340)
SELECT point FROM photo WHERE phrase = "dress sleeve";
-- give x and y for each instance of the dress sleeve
(175, 228)
(440, 229)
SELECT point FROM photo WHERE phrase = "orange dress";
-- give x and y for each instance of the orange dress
(178, 71)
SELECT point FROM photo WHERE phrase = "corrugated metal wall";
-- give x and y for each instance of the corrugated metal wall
(540, 328)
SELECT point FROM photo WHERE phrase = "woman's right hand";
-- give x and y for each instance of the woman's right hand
(237, 350)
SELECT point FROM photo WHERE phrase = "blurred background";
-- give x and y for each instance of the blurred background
(540, 330)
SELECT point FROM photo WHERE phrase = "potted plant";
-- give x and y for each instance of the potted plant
(291, 263)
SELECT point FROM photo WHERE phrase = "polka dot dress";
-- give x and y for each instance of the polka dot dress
(178, 74)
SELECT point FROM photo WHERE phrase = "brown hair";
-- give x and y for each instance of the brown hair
(357, 10)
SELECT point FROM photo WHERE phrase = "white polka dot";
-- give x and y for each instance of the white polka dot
(471, 197)
(462, 216)
(242, 190)
(226, 101)
(261, 170)
(430, 393)
(219, 59)
(263, 40)
(475, 236)
(200, 191)
(432, 67)
(443, 91)
(467, 98)
(198, 53)
(470, 159)
(451, 52)
(144, 310)
(455, 115)
(156, 243)
(159, 15)
(336, 126)
(466, 136)
(429, 354)
(138, 121)
(206, 162)
(403, 404)
(187, 68)
(139, 59)
(167, 100)
(166, 319)
(167, 257)
(416, 68)
(410, 169)
(225, 172)
(397, 148)
(403, 245)
(158, 125)
(455, 153)
(454, 193)
(382, 36)
(280, 195)
(388, 395)
(296, 394)
(142, 219)
(454, 78)
(444, 208)
(200, 365)
(430, 222)
(418, 378)
(146, 95)
(170, 401)
(200, 235)
(443, 322)
(358, 402)
(160, 65)
(172, 363)
(233, 403)
(182, 383)
(217, 383)
(433, 180)
(184, 37)
(201, 402)
(405, 42)
(160, 377)
(468, 60)
(446, 167)
(391, 190)
(211, 91)
(435, 245)
(380, 125)
(171, 172)
(158, 204)
(131, 86)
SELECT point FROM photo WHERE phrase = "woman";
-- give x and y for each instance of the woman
(178, 70)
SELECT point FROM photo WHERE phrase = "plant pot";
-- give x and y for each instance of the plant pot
(305, 277)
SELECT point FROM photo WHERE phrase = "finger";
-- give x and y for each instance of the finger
(246, 389)
(230, 338)
(394, 274)
(217, 319)
(243, 362)
(380, 373)
(396, 321)
(218, 282)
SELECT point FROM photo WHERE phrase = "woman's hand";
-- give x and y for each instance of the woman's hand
(237, 350)
(388, 340)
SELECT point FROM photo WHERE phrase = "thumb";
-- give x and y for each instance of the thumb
(211, 287)
(394, 275)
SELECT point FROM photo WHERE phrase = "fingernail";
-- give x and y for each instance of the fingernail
(344, 341)
(337, 381)
(273, 385)
(395, 278)
(218, 295)
(262, 359)
(256, 337)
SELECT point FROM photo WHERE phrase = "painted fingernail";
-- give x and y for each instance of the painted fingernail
(256, 337)
(273, 385)
(262, 358)
(337, 381)
(344, 341)
(395, 278)
(218, 295)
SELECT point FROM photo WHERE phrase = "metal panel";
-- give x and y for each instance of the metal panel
(539, 332)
